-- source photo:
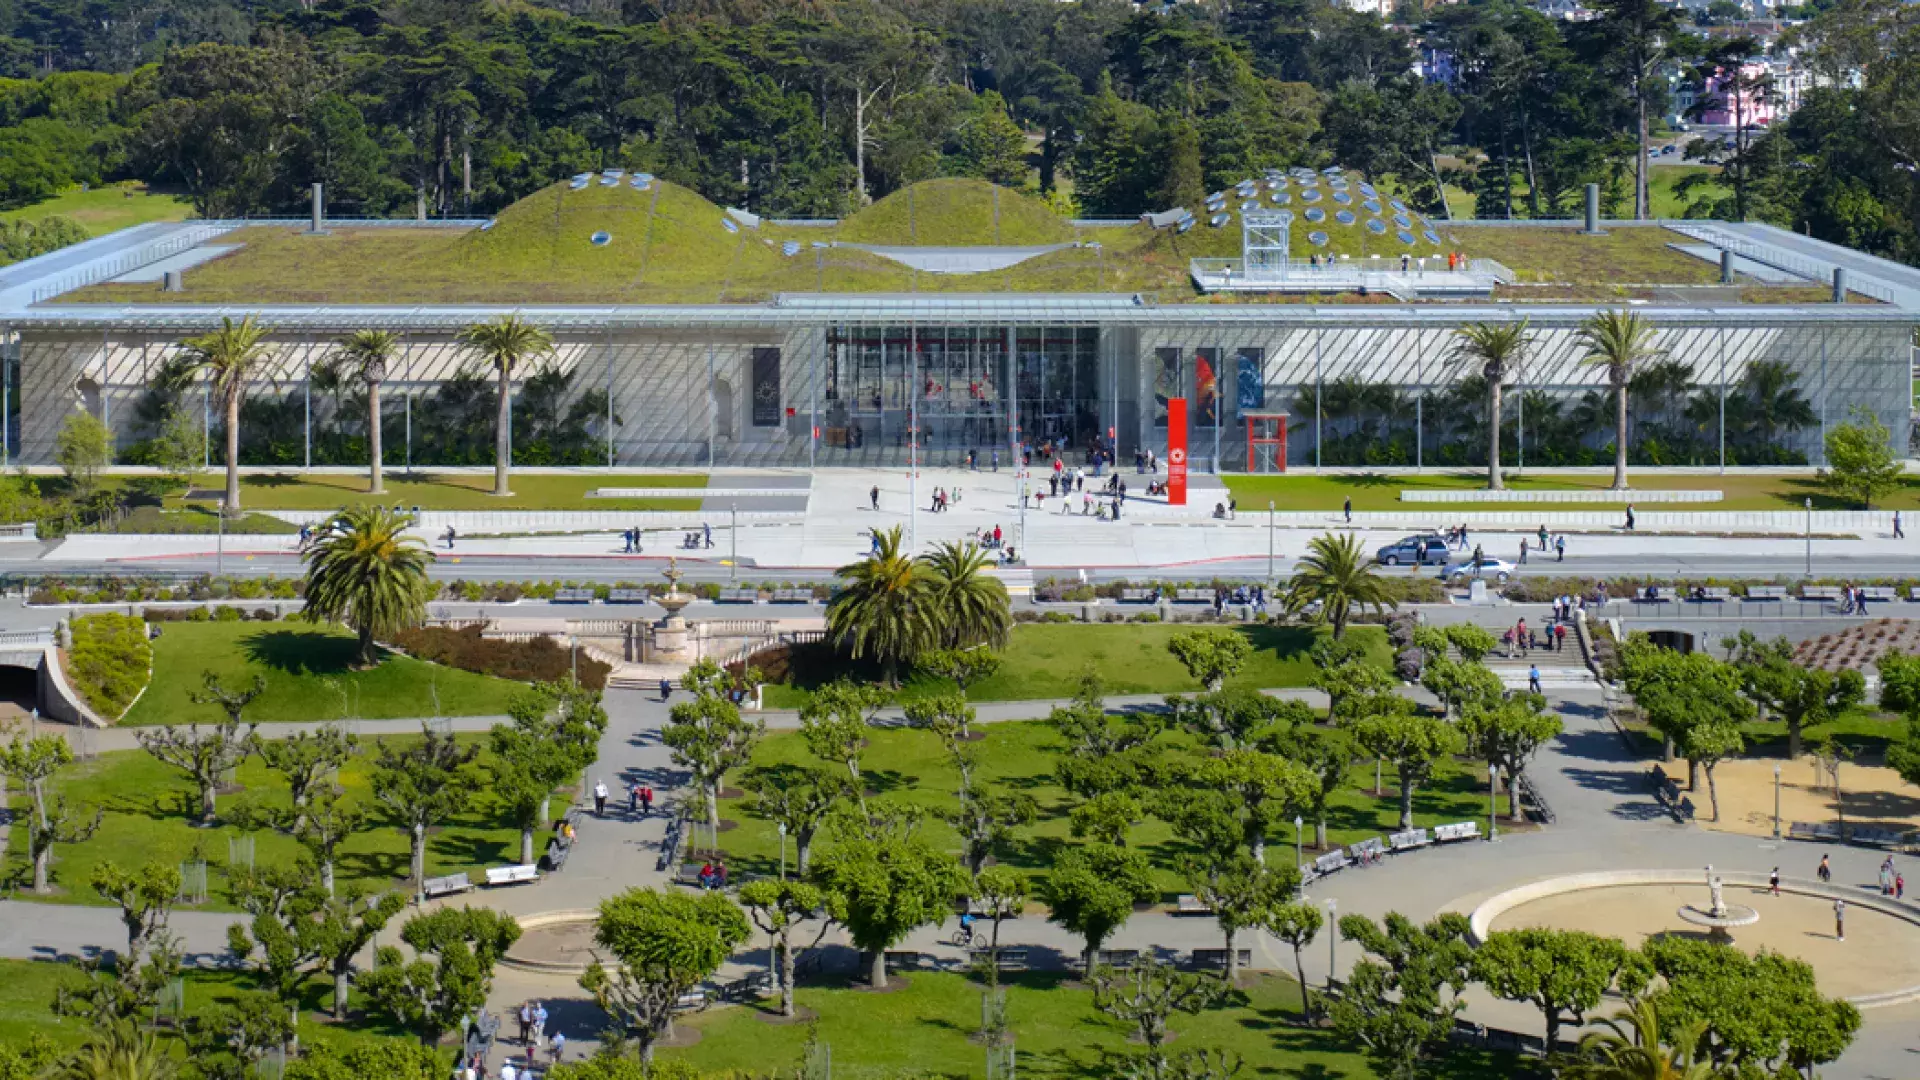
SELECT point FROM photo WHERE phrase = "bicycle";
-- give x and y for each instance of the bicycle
(962, 938)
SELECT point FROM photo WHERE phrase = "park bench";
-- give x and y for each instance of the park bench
(1190, 904)
(1373, 845)
(445, 886)
(793, 596)
(1216, 959)
(1118, 958)
(1873, 836)
(691, 1001)
(573, 596)
(1331, 861)
(1806, 830)
(1408, 840)
(627, 596)
(1652, 594)
(512, 875)
(751, 988)
(899, 959)
(557, 852)
(1766, 592)
(1880, 594)
(1684, 811)
(1913, 593)
(688, 875)
(1138, 596)
(1820, 592)
(1193, 596)
(1465, 830)
(1715, 594)
(739, 596)
(670, 844)
(1013, 959)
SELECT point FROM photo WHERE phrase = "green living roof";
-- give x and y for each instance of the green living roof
(660, 243)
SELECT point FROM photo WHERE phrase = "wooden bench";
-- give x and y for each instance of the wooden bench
(1010, 959)
(628, 596)
(1138, 596)
(1193, 596)
(1873, 836)
(1331, 861)
(1465, 830)
(573, 596)
(1408, 840)
(1766, 592)
(1880, 594)
(897, 960)
(739, 596)
(512, 875)
(1189, 904)
(1216, 959)
(1820, 592)
(445, 886)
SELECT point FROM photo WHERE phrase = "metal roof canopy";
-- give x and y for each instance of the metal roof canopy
(959, 309)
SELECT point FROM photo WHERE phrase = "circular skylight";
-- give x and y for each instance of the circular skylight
(1432, 238)
(1310, 194)
(1315, 214)
(1317, 239)
(1405, 237)
(1343, 198)
(1281, 198)
(1344, 217)
(1403, 221)
(600, 239)
(1218, 220)
(1372, 205)
(1376, 227)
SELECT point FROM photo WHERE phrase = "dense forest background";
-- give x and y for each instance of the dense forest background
(812, 107)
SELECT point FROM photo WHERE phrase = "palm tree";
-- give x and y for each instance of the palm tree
(884, 606)
(365, 355)
(1619, 341)
(974, 609)
(1338, 575)
(363, 570)
(1495, 352)
(228, 357)
(119, 1051)
(505, 343)
(1632, 1049)
(1767, 403)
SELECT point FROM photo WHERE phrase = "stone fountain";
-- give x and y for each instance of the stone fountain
(1718, 916)
(669, 644)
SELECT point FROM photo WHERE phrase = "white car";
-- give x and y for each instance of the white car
(1488, 567)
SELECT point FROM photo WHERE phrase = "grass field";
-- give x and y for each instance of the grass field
(306, 668)
(1381, 491)
(449, 491)
(911, 766)
(924, 1029)
(152, 811)
(106, 209)
(1046, 660)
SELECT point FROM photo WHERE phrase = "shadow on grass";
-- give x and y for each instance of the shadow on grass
(299, 652)
(270, 480)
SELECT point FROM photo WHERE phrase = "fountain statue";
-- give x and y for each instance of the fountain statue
(1719, 916)
(669, 642)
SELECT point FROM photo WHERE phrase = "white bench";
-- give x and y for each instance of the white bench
(1767, 592)
(445, 886)
(1190, 904)
(1408, 840)
(1373, 845)
(1331, 861)
(1465, 830)
(512, 875)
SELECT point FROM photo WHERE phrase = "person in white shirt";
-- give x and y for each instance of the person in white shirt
(507, 1071)
(599, 798)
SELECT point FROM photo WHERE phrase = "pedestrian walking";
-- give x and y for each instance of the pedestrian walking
(1533, 678)
(873, 496)
(450, 537)
(1346, 508)
(666, 689)
(1559, 637)
(1523, 551)
(996, 459)
(1840, 919)
(526, 1023)
(539, 1025)
(706, 533)
(599, 798)
(1543, 537)
(633, 798)
(973, 461)
(507, 1071)
(1825, 872)
(1560, 547)
(646, 800)
(1773, 881)
(559, 1046)
(1629, 517)
(1886, 880)
(1899, 886)
(1898, 533)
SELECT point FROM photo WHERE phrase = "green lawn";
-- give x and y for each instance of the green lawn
(924, 1029)
(451, 491)
(151, 811)
(308, 677)
(1046, 660)
(1381, 491)
(911, 766)
(107, 209)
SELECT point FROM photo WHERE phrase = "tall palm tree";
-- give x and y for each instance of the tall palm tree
(228, 357)
(1495, 352)
(364, 355)
(1620, 342)
(1634, 1048)
(884, 606)
(973, 608)
(1338, 575)
(363, 570)
(505, 342)
(118, 1051)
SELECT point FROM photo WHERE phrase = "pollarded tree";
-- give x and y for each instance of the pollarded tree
(1348, 679)
(1400, 1001)
(1472, 640)
(27, 763)
(1757, 1012)
(1091, 891)
(834, 724)
(145, 897)
(707, 737)
(1508, 733)
(1242, 891)
(365, 571)
(451, 973)
(1237, 718)
(338, 928)
(1000, 892)
(972, 608)
(524, 770)
(1336, 579)
(229, 358)
(1328, 754)
(505, 343)
(947, 717)
(985, 820)
(1496, 352)
(1563, 973)
(206, 756)
(797, 797)
(778, 908)
(1296, 922)
(1618, 342)
(422, 785)
(1261, 789)
(1211, 657)
(964, 666)
(364, 355)
(321, 825)
(664, 944)
(1145, 996)
(884, 883)
(1805, 697)
(884, 607)
(1411, 742)
(1461, 685)
(1709, 743)
(307, 760)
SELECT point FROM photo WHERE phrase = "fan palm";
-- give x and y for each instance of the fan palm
(1770, 401)
(884, 606)
(119, 1051)
(505, 343)
(1633, 1049)
(973, 608)
(364, 355)
(1619, 342)
(228, 358)
(1495, 352)
(363, 570)
(1339, 576)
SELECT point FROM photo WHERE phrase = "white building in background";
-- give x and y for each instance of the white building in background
(1565, 10)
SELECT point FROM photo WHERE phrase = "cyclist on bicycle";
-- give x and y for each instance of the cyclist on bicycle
(966, 925)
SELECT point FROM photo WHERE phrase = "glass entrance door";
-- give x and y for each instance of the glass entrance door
(1059, 387)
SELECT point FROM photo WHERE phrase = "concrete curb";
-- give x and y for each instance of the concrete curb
(543, 919)
(1481, 921)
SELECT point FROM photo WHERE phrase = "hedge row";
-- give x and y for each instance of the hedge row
(109, 661)
(540, 659)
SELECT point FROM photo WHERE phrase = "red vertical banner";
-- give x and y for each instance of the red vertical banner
(1177, 451)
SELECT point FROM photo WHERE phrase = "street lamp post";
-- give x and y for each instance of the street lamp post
(733, 541)
(1298, 851)
(1333, 941)
(1269, 541)
(1776, 801)
(1809, 537)
(220, 545)
(1493, 803)
(783, 851)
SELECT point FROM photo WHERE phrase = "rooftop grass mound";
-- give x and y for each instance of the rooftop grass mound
(1343, 240)
(956, 213)
(1624, 255)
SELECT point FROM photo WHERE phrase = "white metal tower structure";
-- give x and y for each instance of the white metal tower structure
(1263, 243)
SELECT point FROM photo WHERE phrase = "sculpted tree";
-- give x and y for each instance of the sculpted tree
(207, 756)
(451, 973)
(27, 763)
(422, 785)
(778, 908)
(665, 944)
(307, 760)
(708, 737)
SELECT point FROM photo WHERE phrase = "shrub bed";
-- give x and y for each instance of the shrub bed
(1544, 590)
(538, 660)
(109, 661)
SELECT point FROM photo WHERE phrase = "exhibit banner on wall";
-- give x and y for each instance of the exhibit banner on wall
(766, 387)
(1177, 451)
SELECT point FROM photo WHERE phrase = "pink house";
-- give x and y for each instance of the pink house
(1754, 106)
